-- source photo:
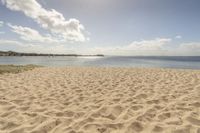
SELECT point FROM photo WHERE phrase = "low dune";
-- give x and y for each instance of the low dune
(100, 100)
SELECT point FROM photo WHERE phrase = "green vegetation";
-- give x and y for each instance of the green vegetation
(13, 53)
(15, 69)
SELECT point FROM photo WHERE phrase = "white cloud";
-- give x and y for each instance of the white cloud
(58, 49)
(1, 23)
(14, 45)
(51, 20)
(19, 46)
(194, 46)
(178, 37)
(189, 48)
(9, 42)
(148, 45)
(144, 47)
(32, 35)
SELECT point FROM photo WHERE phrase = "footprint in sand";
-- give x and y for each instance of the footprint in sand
(135, 127)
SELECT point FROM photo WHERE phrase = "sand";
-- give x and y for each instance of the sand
(100, 100)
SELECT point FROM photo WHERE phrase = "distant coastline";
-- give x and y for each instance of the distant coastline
(13, 53)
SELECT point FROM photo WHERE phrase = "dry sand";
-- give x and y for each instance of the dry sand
(100, 100)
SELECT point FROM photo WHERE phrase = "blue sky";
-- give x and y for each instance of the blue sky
(114, 27)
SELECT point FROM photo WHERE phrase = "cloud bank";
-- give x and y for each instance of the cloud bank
(192, 46)
(158, 46)
(51, 20)
(20, 46)
(145, 47)
(32, 35)
(148, 45)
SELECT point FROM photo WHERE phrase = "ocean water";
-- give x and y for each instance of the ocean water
(183, 62)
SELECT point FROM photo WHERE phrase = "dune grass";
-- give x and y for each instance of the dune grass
(15, 68)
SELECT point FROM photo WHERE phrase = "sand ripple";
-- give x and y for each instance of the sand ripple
(100, 100)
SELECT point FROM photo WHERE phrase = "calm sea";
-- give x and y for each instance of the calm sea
(186, 62)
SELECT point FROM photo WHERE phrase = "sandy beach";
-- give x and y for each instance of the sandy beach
(100, 100)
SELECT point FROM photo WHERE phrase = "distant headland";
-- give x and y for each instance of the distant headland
(13, 53)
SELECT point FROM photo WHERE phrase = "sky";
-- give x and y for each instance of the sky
(110, 27)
